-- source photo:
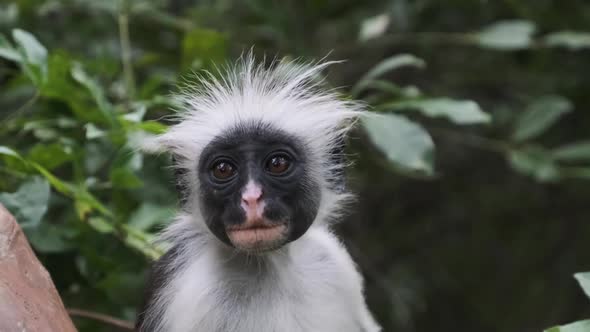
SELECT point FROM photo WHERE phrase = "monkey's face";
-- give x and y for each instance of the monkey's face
(256, 190)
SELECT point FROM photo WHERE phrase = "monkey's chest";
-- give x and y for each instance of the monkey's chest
(267, 306)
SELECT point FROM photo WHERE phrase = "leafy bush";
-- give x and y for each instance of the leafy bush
(90, 80)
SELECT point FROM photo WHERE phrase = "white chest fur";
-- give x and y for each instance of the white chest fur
(310, 285)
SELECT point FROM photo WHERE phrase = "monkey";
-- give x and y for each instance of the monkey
(259, 158)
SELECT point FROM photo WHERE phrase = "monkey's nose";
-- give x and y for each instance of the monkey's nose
(251, 200)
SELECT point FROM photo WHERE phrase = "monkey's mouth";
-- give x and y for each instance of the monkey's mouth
(260, 236)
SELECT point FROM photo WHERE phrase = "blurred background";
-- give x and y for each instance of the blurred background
(472, 210)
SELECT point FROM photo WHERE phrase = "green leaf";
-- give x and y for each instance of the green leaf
(124, 178)
(153, 127)
(540, 116)
(35, 53)
(93, 131)
(462, 112)
(201, 48)
(373, 27)
(96, 92)
(101, 225)
(50, 238)
(578, 151)
(581, 326)
(34, 56)
(142, 241)
(49, 156)
(584, 280)
(29, 203)
(405, 144)
(536, 162)
(387, 65)
(85, 199)
(574, 40)
(59, 185)
(7, 51)
(4, 150)
(149, 215)
(506, 35)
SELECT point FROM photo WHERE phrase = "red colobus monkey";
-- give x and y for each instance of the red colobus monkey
(258, 153)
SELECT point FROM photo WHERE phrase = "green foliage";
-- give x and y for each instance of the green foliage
(461, 112)
(584, 280)
(581, 326)
(506, 35)
(405, 144)
(84, 82)
(584, 325)
(29, 202)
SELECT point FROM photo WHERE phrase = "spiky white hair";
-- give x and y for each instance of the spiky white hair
(285, 96)
(315, 286)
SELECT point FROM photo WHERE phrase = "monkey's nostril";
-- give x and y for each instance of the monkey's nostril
(251, 201)
(252, 194)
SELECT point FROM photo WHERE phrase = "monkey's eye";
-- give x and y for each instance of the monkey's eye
(223, 170)
(278, 164)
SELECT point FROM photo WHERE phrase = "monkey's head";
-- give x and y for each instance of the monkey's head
(258, 153)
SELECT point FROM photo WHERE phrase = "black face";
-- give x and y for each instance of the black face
(256, 190)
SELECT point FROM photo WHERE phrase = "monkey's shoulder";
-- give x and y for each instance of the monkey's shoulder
(312, 286)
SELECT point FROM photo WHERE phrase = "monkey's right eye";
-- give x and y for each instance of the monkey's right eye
(223, 170)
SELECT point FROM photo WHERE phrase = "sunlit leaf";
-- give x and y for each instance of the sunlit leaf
(392, 89)
(405, 144)
(578, 151)
(101, 225)
(540, 116)
(4, 150)
(373, 27)
(93, 131)
(33, 56)
(34, 51)
(385, 66)
(458, 111)
(29, 203)
(534, 161)
(506, 35)
(584, 280)
(581, 326)
(7, 51)
(574, 40)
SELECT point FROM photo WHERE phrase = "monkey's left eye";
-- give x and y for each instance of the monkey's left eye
(278, 164)
(223, 170)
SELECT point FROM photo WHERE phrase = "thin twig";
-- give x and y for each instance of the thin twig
(122, 324)
(125, 42)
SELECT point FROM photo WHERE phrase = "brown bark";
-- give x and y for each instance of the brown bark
(28, 298)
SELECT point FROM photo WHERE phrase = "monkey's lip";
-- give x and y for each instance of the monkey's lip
(258, 236)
